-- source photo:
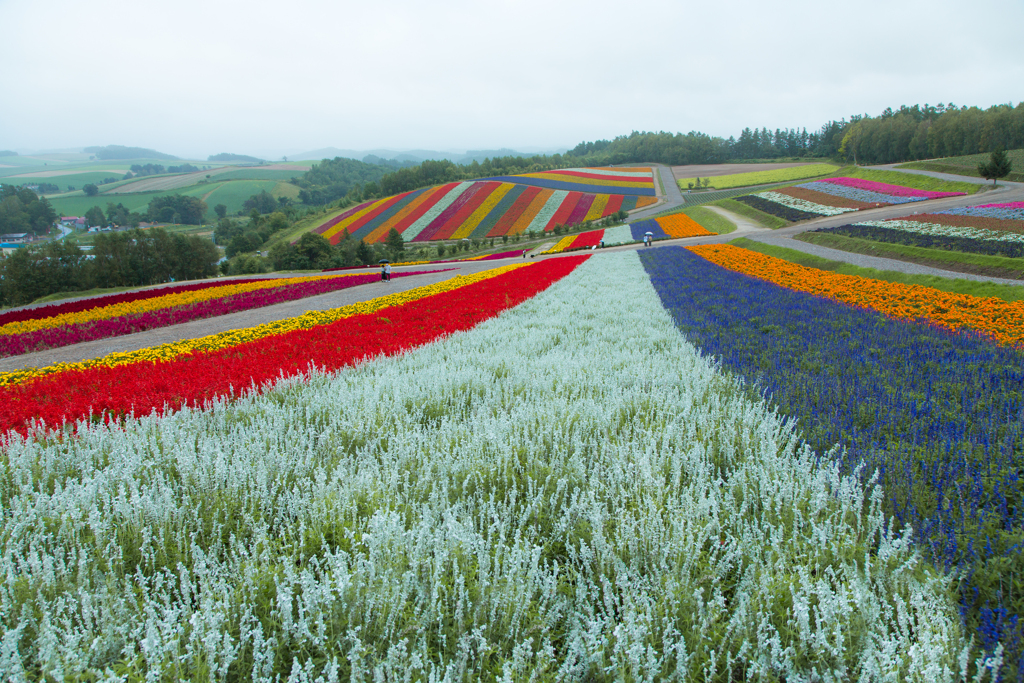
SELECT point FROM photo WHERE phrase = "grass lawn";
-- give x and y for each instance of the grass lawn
(710, 220)
(778, 175)
(765, 219)
(978, 264)
(971, 287)
(920, 182)
(968, 165)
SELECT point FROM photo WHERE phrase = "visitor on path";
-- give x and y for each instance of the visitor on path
(383, 273)
(387, 271)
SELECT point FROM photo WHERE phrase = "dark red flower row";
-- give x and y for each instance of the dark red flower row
(196, 378)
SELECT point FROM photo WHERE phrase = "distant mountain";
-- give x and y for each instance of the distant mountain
(227, 157)
(8, 153)
(413, 155)
(117, 152)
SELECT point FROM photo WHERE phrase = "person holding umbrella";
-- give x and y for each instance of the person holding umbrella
(648, 238)
(387, 271)
(383, 270)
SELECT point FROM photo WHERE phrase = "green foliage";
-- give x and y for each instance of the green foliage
(177, 208)
(90, 190)
(395, 244)
(95, 217)
(221, 210)
(245, 264)
(930, 132)
(998, 166)
(264, 202)
(22, 210)
(331, 180)
(120, 259)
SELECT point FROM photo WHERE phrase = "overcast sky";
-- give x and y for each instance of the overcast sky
(198, 77)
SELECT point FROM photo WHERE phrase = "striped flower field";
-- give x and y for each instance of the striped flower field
(497, 207)
(492, 480)
(835, 196)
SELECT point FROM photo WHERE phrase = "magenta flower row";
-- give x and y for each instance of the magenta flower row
(886, 188)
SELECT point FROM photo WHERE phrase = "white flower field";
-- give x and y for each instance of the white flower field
(567, 492)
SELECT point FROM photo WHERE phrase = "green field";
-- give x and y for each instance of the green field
(968, 165)
(230, 193)
(779, 175)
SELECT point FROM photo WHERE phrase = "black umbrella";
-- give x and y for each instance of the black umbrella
(383, 260)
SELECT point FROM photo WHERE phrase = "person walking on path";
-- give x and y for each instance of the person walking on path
(383, 273)
(387, 272)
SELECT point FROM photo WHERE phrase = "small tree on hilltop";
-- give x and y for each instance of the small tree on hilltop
(998, 166)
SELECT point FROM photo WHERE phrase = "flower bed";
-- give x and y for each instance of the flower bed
(1000, 320)
(835, 196)
(937, 416)
(76, 333)
(566, 492)
(195, 371)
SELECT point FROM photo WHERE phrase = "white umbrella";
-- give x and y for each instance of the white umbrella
(649, 233)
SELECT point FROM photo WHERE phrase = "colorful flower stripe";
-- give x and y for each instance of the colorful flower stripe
(341, 217)
(578, 186)
(604, 181)
(968, 221)
(365, 213)
(494, 257)
(369, 228)
(1008, 205)
(487, 224)
(630, 203)
(151, 304)
(563, 212)
(681, 225)
(412, 232)
(926, 228)
(597, 208)
(614, 204)
(1004, 212)
(231, 338)
(201, 377)
(469, 226)
(935, 416)
(411, 213)
(641, 228)
(1002, 320)
(468, 191)
(535, 207)
(506, 222)
(561, 245)
(862, 195)
(887, 189)
(80, 305)
(802, 204)
(591, 238)
(455, 223)
(774, 209)
(546, 215)
(51, 338)
(917, 234)
(580, 211)
(816, 197)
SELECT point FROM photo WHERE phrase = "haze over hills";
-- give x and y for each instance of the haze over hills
(418, 155)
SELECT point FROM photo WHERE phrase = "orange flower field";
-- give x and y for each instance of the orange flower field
(1000, 319)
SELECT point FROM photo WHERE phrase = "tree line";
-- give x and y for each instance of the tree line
(22, 210)
(123, 259)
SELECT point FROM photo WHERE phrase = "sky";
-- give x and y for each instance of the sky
(199, 77)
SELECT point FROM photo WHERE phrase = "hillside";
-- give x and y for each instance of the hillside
(495, 207)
